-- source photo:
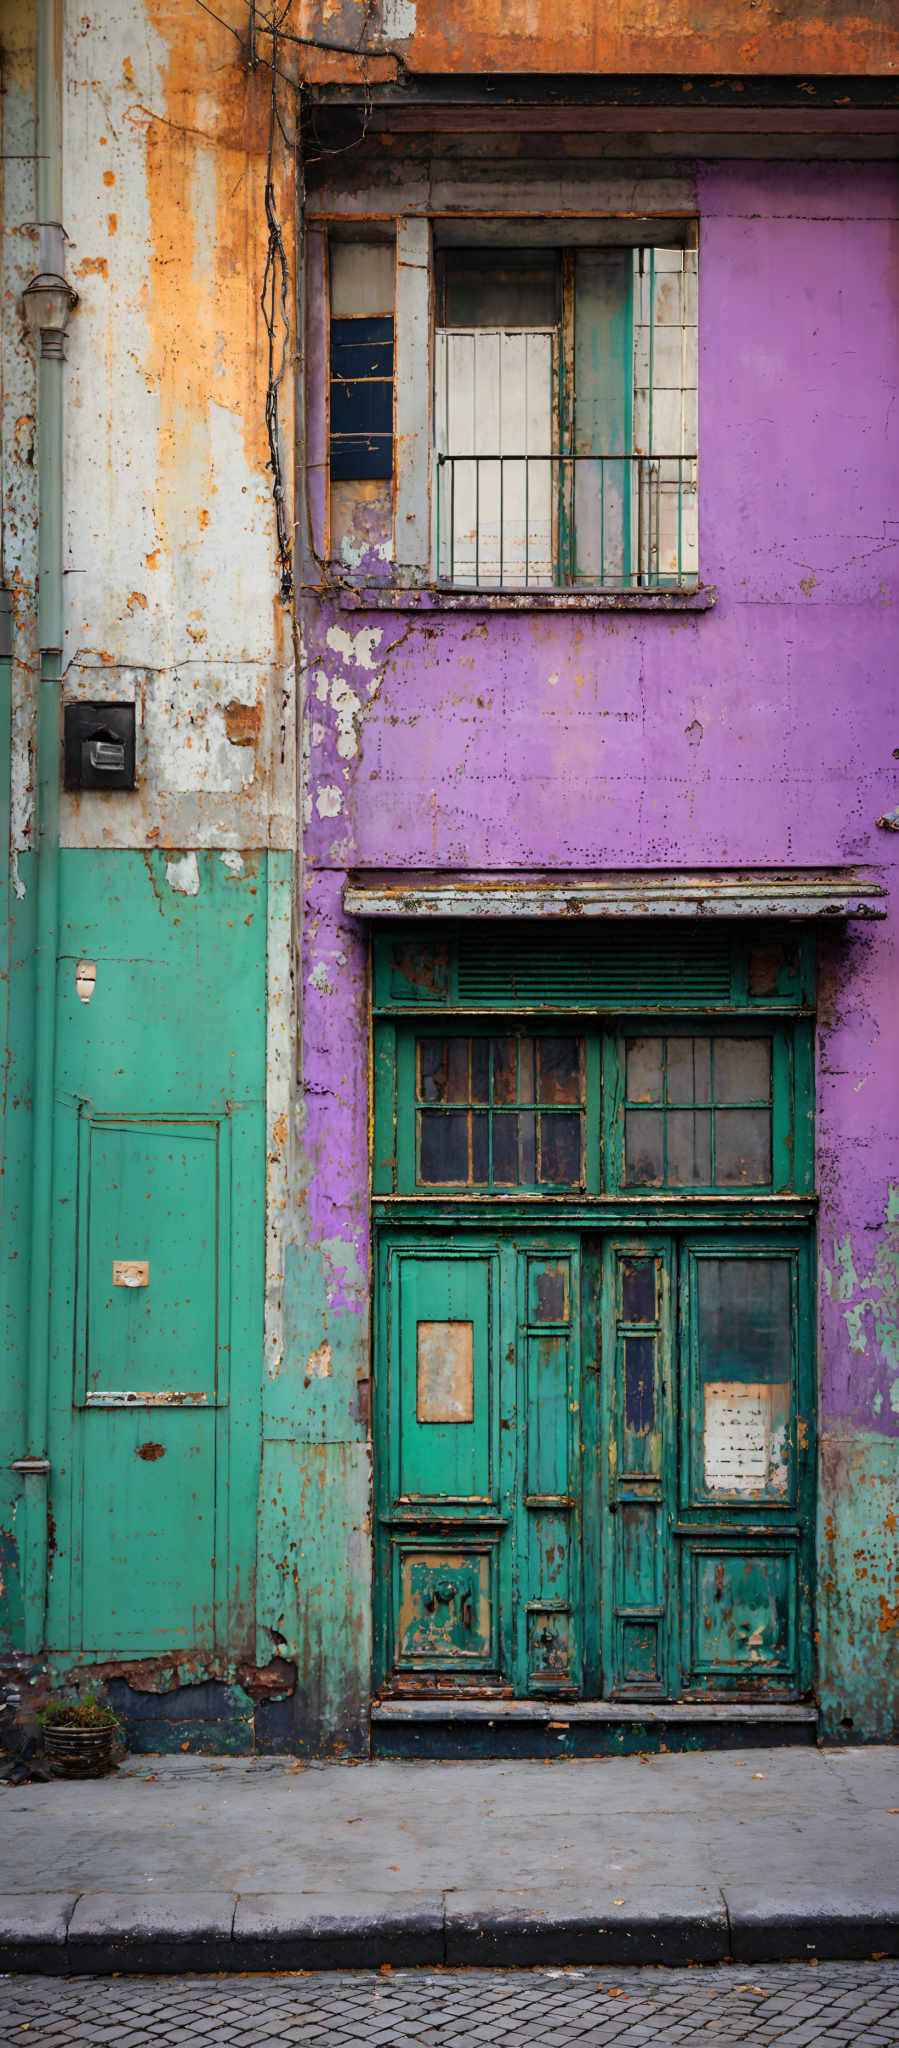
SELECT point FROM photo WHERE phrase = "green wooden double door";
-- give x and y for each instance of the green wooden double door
(595, 1462)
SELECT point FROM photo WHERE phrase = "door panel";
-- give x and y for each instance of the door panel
(739, 1607)
(478, 1406)
(638, 1411)
(148, 1555)
(445, 1605)
(444, 1369)
(149, 1309)
(550, 1410)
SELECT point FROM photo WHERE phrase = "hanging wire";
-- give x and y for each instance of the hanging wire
(275, 313)
(274, 297)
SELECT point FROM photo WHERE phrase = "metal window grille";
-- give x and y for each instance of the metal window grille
(521, 503)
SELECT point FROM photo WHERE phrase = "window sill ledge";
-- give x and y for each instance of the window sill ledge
(391, 599)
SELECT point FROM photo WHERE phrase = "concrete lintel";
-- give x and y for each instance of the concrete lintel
(792, 893)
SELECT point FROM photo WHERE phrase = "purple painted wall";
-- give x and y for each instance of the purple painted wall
(761, 732)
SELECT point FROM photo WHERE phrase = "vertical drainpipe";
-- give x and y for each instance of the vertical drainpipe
(48, 301)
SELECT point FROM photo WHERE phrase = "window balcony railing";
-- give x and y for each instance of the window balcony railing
(567, 522)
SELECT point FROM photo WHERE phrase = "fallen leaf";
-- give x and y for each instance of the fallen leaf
(758, 1774)
(385, 1970)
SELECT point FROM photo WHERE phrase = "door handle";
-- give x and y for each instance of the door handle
(444, 1592)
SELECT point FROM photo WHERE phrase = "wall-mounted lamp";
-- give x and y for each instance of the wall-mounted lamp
(48, 301)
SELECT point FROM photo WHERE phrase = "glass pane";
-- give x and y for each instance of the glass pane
(560, 1149)
(443, 1146)
(443, 1069)
(527, 1133)
(431, 1069)
(505, 1069)
(505, 1150)
(742, 1147)
(643, 1148)
(560, 1069)
(644, 1070)
(689, 1070)
(480, 1147)
(745, 1332)
(638, 1384)
(480, 1070)
(744, 1318)
(689, 1148)
(638, 1290)
(526, 1091)
(742, 1070)
(548, 1297)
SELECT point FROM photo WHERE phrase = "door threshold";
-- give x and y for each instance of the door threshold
(542, 1728)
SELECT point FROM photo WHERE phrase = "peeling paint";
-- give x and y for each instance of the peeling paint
(184, 875)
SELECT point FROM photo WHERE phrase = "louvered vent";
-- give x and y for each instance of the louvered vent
(633, 969)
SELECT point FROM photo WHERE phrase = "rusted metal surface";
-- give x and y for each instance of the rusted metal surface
(800, 894)
(670, 36)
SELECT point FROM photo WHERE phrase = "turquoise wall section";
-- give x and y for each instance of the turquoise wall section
(160, 1081)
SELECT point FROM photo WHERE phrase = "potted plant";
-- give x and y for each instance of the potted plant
(79, 1736)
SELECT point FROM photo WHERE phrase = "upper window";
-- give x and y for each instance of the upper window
(565, 418)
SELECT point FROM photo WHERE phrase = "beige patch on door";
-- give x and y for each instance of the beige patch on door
(445, 1384)
(131, 1273)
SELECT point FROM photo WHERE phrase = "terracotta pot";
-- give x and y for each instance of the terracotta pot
(78, 1752)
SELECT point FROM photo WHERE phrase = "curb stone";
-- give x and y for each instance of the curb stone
(170, 1932)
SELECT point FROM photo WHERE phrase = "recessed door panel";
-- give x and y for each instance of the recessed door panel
(148, 1530)
(443, 1369)
(149, 1284)
(445, 1606)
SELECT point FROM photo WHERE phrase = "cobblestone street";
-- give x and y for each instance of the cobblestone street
(837, 2005)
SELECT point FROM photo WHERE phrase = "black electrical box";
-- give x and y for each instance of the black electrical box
(99, 746)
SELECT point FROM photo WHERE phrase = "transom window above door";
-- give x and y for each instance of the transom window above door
(504, 1111)
(627, 1111)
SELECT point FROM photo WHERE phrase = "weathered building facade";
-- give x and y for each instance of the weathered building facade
(451, 1189)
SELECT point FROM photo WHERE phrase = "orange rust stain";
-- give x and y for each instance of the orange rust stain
(888, 1616)
(128, 72)
(152, 560)
(137, 597)
(890, 1522)
(206, 338)
(202, 519)
(243, 723)
(92, 266)
(109, 177)
(279, 1131)
(554, 36)
(112, 222)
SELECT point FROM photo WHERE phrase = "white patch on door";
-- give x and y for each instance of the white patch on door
(745, 1436)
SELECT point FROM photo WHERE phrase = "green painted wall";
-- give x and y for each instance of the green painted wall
(159, 1149)
(15, 1219)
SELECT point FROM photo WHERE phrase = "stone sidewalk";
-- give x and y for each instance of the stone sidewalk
(197, 1863)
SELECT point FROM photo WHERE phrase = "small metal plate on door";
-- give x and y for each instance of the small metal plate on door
(131, 1272)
